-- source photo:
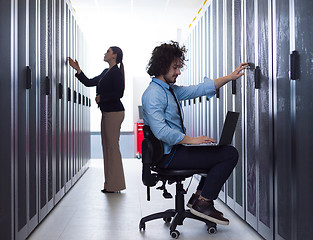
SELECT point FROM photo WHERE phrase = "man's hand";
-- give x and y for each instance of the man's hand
(74, 64)
(237, 73)
(197, 140)
(219, 82)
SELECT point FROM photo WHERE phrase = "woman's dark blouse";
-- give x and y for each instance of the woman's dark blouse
(111, 88)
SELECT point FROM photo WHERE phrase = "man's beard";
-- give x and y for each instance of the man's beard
(169, 81)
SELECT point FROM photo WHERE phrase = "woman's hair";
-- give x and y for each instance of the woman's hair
(119, 59)
(163, 56)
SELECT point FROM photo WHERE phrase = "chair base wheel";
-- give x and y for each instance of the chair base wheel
(175, 234)
(167, 220)
(142, 226)
(212, 230)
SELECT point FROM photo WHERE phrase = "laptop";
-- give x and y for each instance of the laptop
(228, 131)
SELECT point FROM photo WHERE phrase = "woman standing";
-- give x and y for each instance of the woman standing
(110, 89)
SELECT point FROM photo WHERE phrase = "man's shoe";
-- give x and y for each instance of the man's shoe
(192, 200)
(205, 209)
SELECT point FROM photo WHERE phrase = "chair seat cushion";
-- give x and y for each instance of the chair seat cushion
(179, 172)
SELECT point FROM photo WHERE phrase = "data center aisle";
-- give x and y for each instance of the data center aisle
(87, 214)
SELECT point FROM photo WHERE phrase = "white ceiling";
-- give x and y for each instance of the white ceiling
(170, 14)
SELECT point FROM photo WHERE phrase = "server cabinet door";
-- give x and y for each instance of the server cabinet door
(60, 99)
(302, 116)
(208, 70)
(33, 132)
(250, 116)
(234, 101)
(69, 103)
(213, 100)
(45, 183)
(21, 161)
(51, 104)
(205, 71)
(219, 66)
(264, 128)
(282, 121)
(7, 125)
(76, 103)
(26, 178)
(259, 157)
(228, 68)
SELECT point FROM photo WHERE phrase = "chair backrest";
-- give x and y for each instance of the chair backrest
(157, 145)
(152, 152)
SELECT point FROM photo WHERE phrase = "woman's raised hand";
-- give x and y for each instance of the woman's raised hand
(74, 64)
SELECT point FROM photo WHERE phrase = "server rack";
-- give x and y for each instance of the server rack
(34, 127)
(7, 83)
(270, 186)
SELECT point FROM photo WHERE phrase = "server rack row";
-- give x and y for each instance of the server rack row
(270, 187)
(45, 140)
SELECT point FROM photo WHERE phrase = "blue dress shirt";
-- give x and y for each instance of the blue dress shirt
(160, 110)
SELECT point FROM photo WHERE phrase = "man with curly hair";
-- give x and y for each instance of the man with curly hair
(162, 112)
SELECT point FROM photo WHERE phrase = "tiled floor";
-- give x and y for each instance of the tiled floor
(87, 214)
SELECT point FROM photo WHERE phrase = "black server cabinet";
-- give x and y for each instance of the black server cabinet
(259, 129)
(235, 101)
(293, 107)
(270, 186)
(34, 124)
(219, 70)
(208, 67)
(282, 121)
(47, 124)
(192, 82)
(220, 49)
(202, 114)
(238, 95)
(228, 65)
(302, 117)
(205, 71)
(60, 101)
(69, 97)
(213, 108)
(34, 88)
(250, 154)
(264, 110)
(69, 103)
(7, 121)
(26, 161)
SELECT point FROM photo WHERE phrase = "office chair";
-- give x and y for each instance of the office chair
(152, 152)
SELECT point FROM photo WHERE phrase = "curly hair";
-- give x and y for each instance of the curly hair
(163, 56)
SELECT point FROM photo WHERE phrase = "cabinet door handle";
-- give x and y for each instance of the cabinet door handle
(68, 94)
(28, 78)
(233, 86)
(47, 86)
(294, 65)
(60, 91)
(218, 93)
(257, 77)
(75, 96)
